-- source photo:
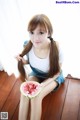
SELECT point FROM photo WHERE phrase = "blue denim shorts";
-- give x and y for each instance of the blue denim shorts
(42, 76)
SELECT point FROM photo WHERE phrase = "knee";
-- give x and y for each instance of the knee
(36, 100)
(23, 98)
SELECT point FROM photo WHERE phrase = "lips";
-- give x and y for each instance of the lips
(37, 42)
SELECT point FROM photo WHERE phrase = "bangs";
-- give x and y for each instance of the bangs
(37, 22)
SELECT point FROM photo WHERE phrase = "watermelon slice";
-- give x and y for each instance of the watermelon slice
(30, 88)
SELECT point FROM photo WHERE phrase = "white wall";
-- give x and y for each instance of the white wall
(14, 17)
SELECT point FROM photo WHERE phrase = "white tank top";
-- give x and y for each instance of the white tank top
(36, 62)
(41, 64)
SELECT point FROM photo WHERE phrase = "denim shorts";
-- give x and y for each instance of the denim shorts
(42, 76)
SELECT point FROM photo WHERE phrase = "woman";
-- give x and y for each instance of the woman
(45, 59)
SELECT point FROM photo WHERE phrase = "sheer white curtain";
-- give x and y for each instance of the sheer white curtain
(14, 17)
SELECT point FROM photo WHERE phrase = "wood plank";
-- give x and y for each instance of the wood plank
(45, 105)
(3, 76)
(12, 100)
(63, 104)
(1, 72)
(15, 115)
(71, 106)
(56, 103)
(6, 89)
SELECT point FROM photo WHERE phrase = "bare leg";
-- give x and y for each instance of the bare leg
(24, 103)
(23, 108)
(36, 108)
(36, 103)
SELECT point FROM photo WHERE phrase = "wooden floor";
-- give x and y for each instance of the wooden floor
(63, 104)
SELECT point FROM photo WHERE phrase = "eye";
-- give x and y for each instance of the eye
(41, 33)
(31, 32)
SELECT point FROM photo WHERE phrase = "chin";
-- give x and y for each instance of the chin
(37, 45)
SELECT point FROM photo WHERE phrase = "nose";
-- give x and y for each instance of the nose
(36, 37)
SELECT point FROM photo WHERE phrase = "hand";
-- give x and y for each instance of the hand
(19, 58)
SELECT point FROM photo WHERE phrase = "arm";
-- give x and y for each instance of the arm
(49, 80)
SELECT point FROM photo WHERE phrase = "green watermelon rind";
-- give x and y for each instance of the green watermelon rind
(28, 95)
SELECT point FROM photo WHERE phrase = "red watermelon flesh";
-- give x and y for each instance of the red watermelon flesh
(30, 88)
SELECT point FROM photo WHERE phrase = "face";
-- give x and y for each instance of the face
(38, 37)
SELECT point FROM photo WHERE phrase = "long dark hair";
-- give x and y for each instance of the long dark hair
(45, 24)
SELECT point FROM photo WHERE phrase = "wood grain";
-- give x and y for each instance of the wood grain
(62, 104)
